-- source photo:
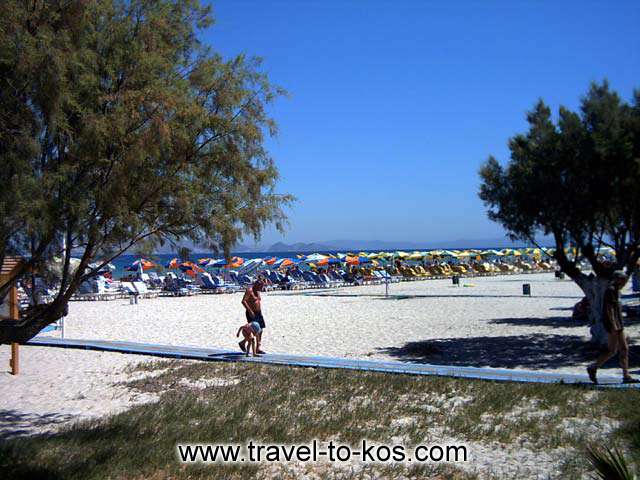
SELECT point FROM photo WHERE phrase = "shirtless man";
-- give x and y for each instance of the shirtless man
(251, 303)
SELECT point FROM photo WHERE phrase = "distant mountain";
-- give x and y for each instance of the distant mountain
(355, 245)
(301, 247)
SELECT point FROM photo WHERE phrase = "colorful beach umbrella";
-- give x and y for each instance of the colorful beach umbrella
(352, 260)
(284, 262)
(173, 263)
(186, 267)
(213, 262)
(235, 262)
(135, 266)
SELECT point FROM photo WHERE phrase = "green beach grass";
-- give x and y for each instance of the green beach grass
(233, 403)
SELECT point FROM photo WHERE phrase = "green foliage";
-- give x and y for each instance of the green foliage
(184, 254)
(117, 126)
(608, 463)
(575, 178)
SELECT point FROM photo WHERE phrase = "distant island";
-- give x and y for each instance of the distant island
(358, 245)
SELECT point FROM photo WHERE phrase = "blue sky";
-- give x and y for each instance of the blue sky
(394, 105)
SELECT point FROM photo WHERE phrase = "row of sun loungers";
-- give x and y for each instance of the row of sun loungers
(207, 283)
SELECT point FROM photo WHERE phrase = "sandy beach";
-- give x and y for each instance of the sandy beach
(486, 322)
(431, 321)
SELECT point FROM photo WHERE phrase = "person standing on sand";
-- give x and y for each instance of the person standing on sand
(251, 303)
(612, 321)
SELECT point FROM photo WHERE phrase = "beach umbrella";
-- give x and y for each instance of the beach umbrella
(448, 253)
(270, 261)
(212, 262)
(352, 260)
(284, 262)
(93, 266)
(187, 267)
(465, 254)
(400, 254)
(334, 261)
(314, 257)
(139, 264)
(235, 262)
(173, 263)
(487, 253)
(416, 256)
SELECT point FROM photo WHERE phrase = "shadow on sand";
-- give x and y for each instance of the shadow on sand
(553, 322)
(16, 424)
(408, 297)
(531, 352)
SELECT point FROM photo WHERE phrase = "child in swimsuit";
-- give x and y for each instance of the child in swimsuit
(250, 332)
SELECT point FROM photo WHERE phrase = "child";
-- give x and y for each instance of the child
(250, 331)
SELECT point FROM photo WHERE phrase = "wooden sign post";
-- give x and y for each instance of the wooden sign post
(12, 313)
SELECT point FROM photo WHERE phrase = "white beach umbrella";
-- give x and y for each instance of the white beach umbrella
(315, 257)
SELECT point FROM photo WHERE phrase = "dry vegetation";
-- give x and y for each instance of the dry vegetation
(508, 428)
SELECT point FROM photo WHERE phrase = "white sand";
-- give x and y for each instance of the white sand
(361, 322)
(488, 324)
(58, 387)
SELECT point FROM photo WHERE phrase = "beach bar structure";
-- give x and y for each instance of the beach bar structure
(10, 306)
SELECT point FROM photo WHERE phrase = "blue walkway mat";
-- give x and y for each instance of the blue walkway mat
(212, 354)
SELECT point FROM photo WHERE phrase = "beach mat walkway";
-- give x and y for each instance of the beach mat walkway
(212, 354)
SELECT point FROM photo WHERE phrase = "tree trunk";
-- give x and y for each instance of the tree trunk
(594, 288)
(38, 317)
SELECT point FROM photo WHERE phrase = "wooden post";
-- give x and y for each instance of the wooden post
(14, 314)
(8, 267)
(15, 359)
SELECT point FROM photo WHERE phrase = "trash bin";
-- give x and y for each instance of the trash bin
(456, 279)
(559, 274)
(526, 289)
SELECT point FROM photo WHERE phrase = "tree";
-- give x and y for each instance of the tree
(577, 180)
(184, 253)
(119, 128)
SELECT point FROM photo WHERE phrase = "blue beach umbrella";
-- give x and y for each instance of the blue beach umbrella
(212, 262)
